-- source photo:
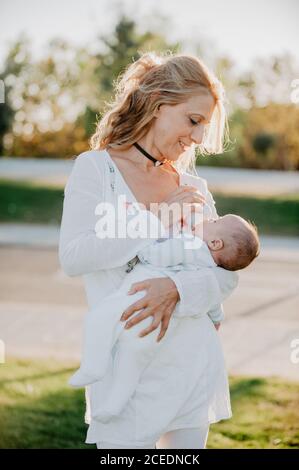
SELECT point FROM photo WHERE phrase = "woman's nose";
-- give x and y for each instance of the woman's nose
(197, 135)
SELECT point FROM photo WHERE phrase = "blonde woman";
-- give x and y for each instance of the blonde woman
(144, 148)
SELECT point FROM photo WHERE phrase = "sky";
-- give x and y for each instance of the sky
(242, 29)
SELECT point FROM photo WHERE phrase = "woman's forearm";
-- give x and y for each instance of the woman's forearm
(203, 290)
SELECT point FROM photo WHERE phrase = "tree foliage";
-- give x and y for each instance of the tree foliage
(52, 103)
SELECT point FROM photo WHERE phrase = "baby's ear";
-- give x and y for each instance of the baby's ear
(216, 244)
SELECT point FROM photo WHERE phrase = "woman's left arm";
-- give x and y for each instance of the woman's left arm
(191, 292)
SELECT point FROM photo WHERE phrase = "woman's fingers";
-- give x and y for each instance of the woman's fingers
(164, 318)
(141, 303)
(159, 302)
(164, 325)
(155, 323)
(170, 210)
(137, 286)
(191, 196)
(146, 313)
(186, 189)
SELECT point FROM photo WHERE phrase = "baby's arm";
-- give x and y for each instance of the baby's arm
(167, 252)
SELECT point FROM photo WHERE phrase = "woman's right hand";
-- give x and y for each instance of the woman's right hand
(180, 196)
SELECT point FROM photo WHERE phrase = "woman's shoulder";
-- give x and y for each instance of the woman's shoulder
(95, 156)
(88, 170)
(90, 162)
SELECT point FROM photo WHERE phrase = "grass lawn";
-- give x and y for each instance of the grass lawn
(26, 202)
(38, 409)
(273, 216)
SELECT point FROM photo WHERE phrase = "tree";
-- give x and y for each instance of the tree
(122, 47)
(14, 63)
(57, 99)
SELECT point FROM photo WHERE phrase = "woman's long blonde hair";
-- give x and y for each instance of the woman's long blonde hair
(156, 79)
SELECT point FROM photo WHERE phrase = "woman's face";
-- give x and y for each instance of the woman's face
(181, 124)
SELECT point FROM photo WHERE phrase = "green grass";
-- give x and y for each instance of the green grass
(273, 215)
(26, 202)
(38, 409)
(265, 415)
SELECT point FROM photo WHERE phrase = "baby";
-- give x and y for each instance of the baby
(229, 241)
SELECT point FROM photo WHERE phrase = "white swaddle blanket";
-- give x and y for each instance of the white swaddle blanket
(110, 348)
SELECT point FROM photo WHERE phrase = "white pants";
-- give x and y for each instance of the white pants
(187, 438)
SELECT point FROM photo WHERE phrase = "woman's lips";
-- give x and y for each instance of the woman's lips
(182, 145)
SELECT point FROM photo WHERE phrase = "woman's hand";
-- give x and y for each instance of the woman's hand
(160, 301)
(217, 325)
(182, 196)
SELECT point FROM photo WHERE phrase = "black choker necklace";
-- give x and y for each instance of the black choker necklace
(156, 162)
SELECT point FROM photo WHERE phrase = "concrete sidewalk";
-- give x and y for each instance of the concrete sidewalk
(47, 236)
(54, 172)
(42, 309)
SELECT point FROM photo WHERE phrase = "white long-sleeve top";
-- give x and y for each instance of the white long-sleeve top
(103, 262)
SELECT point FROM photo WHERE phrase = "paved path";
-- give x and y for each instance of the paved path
(41, 235)
(227, 180)
(42, 309)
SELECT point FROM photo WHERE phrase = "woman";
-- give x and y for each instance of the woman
(164, 107)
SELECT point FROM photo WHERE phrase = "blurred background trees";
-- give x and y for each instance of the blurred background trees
(52, 104)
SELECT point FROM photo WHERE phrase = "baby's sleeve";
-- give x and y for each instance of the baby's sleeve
(168, 252)
(216, 314)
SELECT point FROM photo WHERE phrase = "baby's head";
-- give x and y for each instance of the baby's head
(233, 242)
